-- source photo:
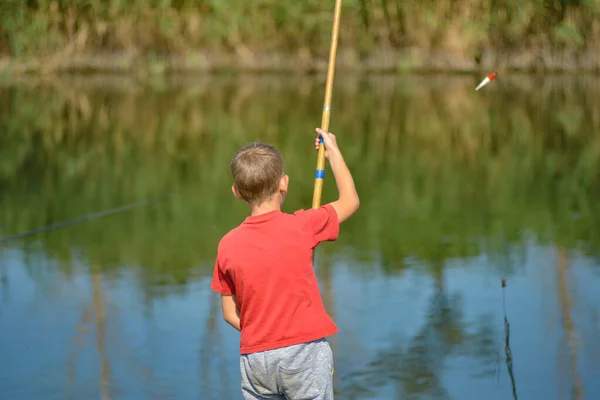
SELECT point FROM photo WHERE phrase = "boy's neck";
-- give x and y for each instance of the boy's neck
(267, 206)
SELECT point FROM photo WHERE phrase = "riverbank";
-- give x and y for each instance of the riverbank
(149, 37)
(384, 60)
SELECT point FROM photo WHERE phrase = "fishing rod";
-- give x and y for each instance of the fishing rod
(320, 171)
(84, 218)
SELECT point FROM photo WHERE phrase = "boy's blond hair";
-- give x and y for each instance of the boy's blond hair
(257, 169)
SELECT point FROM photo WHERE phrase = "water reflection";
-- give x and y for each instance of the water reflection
(458, 189)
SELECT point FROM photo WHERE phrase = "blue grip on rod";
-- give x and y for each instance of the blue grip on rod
(320, 174)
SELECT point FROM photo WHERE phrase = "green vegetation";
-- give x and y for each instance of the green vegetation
(269, 33)
(442, 173)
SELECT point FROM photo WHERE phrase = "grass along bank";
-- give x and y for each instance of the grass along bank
(152, 36)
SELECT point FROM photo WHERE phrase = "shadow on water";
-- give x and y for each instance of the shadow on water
(456, 187)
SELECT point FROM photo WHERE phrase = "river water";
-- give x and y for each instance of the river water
(458, 188)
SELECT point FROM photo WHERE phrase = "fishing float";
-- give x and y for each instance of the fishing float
(487, 80)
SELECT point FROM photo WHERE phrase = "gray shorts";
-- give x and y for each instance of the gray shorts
(299, 372)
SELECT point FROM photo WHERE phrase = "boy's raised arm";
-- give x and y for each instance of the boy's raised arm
(348, 201)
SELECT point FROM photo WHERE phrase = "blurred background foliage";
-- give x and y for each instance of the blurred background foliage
(61, 29)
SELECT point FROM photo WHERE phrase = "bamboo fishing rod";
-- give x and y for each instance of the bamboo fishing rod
(320, 171)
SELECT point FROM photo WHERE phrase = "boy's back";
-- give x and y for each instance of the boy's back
(264, 273)
(267, 263)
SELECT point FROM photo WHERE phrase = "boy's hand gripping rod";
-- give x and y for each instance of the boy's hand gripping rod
(320, 172)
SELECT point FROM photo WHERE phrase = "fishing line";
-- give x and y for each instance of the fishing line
(84, 218)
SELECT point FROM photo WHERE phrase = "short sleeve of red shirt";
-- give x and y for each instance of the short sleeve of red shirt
(221, 282)
(321, 223)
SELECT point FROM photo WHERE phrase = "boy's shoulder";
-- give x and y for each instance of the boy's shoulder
(229, 238)
(323, 212)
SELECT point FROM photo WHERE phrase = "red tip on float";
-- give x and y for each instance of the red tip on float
(503, 282)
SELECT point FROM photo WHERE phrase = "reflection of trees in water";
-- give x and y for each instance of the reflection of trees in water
(438, 164)
(572, 337)
(96, 312)
(218, 378)
(100, 315)
(208, 347)
(415, 368)
(447, 167)
(4, 281)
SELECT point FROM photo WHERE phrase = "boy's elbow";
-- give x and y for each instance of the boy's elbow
(351, 206)
(355, 204)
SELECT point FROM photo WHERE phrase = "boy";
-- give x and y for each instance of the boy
(264, 273)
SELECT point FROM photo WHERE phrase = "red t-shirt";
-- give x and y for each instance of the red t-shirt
(267, 263)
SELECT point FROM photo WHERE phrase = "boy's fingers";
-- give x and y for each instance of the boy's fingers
(325, 136)
(322, 132)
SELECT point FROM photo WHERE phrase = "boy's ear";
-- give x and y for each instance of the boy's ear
(236, 193)
(283, 184)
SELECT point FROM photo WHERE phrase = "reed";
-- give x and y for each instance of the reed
(66, 30)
